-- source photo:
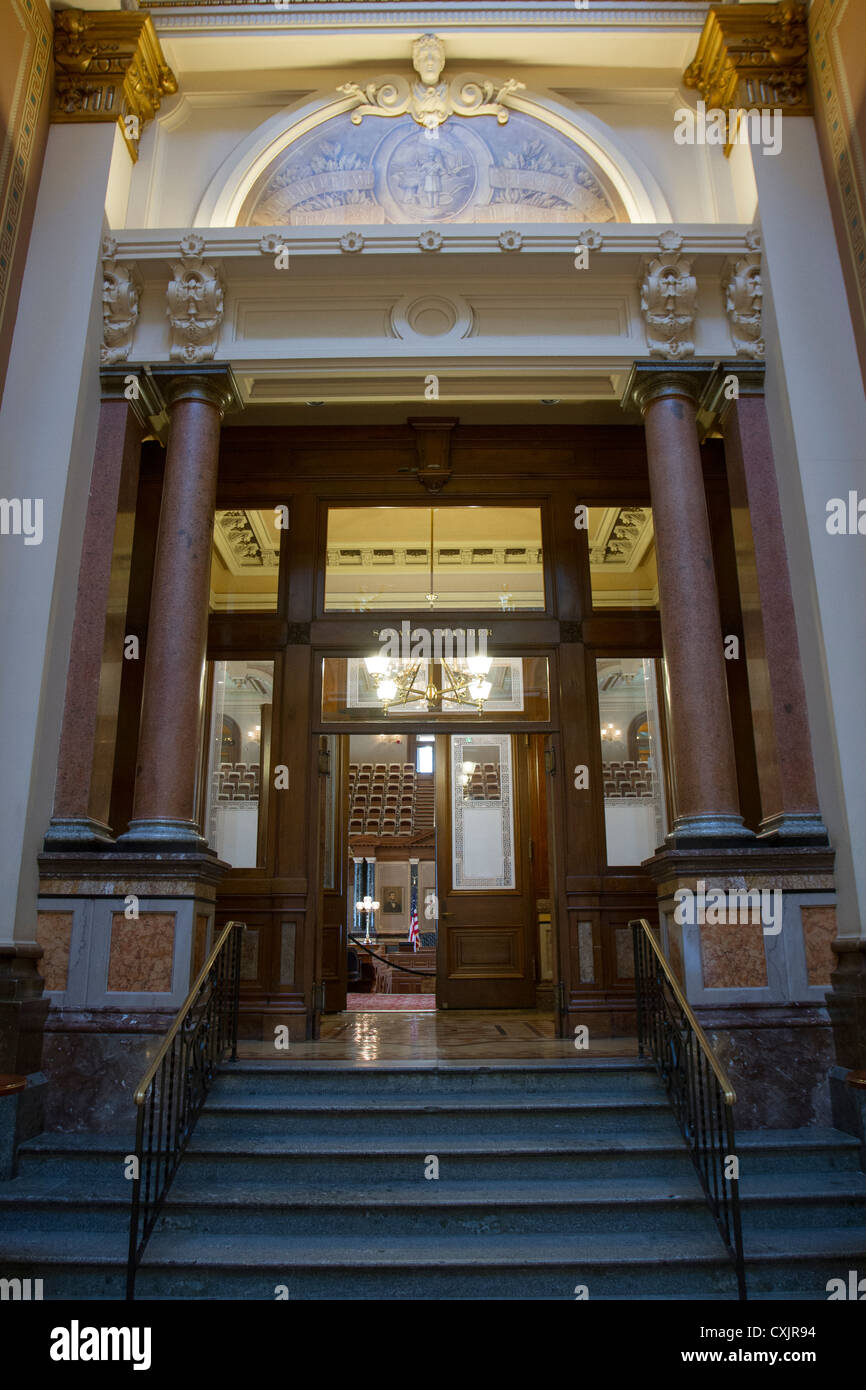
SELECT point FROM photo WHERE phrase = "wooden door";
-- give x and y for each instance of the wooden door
(486, 945)
(333, 869)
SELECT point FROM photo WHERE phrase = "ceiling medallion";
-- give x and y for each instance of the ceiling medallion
(430, 102)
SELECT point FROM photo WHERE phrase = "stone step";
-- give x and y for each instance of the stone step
(477, 1114)
(802, 1200)
(496, 1266)
(797, 1260)
(437, 1207)
(431, 1079)
(797, 1151)
(392, 1158)
(62, 1158)
(796, 1202)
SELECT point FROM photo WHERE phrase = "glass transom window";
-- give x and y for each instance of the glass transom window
(439, 558)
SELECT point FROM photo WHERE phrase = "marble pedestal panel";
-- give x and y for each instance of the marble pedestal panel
(757, 985)
(23, 1009)
(124, 936)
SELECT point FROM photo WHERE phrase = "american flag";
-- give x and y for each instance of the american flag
(413, 927)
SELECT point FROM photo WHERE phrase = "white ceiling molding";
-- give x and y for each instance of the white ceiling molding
(229, 16)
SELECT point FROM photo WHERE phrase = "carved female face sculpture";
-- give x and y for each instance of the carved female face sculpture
(428, 58)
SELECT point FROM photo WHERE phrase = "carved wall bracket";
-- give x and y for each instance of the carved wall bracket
(741, 282)
(668, 301)
(121, 292)
(195, 304)
(109, 66)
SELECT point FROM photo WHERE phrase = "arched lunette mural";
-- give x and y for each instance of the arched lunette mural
(311, 166)
(397, 172)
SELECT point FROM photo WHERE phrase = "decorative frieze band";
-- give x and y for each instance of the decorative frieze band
(195, 293)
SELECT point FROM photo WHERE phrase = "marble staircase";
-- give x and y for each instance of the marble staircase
(316, 1181)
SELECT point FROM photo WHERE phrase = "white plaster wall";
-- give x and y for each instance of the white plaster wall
(48, 428)
(194, 134)
(818, 422)
(184, 147)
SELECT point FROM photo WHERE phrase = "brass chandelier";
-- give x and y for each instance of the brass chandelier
(464, 681)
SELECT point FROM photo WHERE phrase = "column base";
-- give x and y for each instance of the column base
(165, 833)
(792, 828)
(708, 830)
(77, 832)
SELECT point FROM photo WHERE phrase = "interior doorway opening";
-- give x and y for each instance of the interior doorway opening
(447, 903)
(392, 912)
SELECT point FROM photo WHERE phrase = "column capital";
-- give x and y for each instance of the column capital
(753, 56)
(216, 385)
(135, 387)
(109, 66)
(716, 399)
(653, 381)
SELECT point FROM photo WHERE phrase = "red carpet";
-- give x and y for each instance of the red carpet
(379, 1003)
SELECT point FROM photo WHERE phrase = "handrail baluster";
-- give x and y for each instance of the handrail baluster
(698, 1088)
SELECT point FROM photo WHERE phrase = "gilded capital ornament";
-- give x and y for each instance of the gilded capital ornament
(753, 56)
(109, 66)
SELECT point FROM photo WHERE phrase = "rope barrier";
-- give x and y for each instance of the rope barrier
(404, 969)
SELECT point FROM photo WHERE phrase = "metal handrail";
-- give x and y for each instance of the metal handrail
(170, 1095)
(697, 1085)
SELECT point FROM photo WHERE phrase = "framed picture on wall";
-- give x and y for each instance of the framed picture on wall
(392, 900)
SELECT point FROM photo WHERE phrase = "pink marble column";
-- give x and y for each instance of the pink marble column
(701, 736)
(786, 772)
(168, 745)
(80, 806)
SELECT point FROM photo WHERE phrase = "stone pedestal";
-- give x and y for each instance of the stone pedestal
(23, 1010)
(749, 933)
(124, 936)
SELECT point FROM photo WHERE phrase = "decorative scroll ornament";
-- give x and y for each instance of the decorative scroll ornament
(431, 102)
(743, 303)
(753, 56)
(195, 304)
(668, 300)
(109, 66)
(121, 292)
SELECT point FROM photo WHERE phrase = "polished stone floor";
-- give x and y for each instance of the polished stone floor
(458, 1035)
